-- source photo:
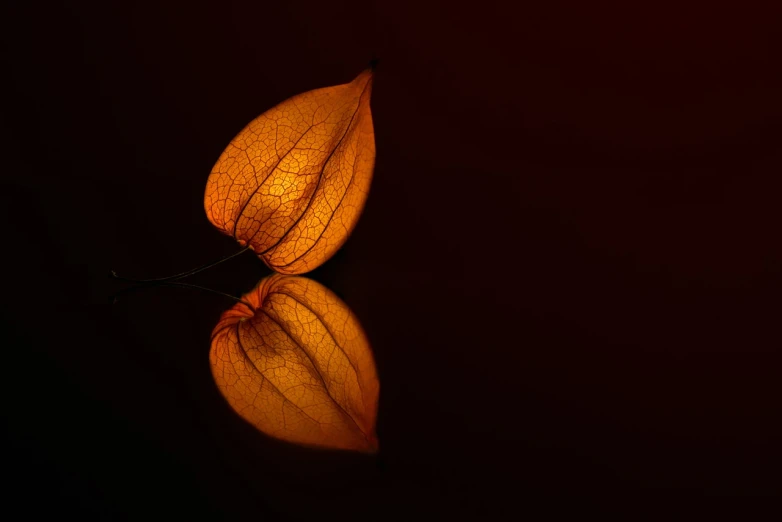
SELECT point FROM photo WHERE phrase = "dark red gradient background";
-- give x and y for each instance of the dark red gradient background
(568, 266)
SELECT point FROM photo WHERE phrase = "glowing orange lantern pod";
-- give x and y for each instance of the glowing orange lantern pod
(293, 183)
(298, 366)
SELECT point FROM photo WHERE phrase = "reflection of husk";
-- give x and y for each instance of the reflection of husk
(299, 366)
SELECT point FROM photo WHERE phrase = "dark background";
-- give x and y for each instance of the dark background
(568, 265)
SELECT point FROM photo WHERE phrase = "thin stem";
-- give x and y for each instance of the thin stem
(218, 292)
(183, 274)
(182, 285)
